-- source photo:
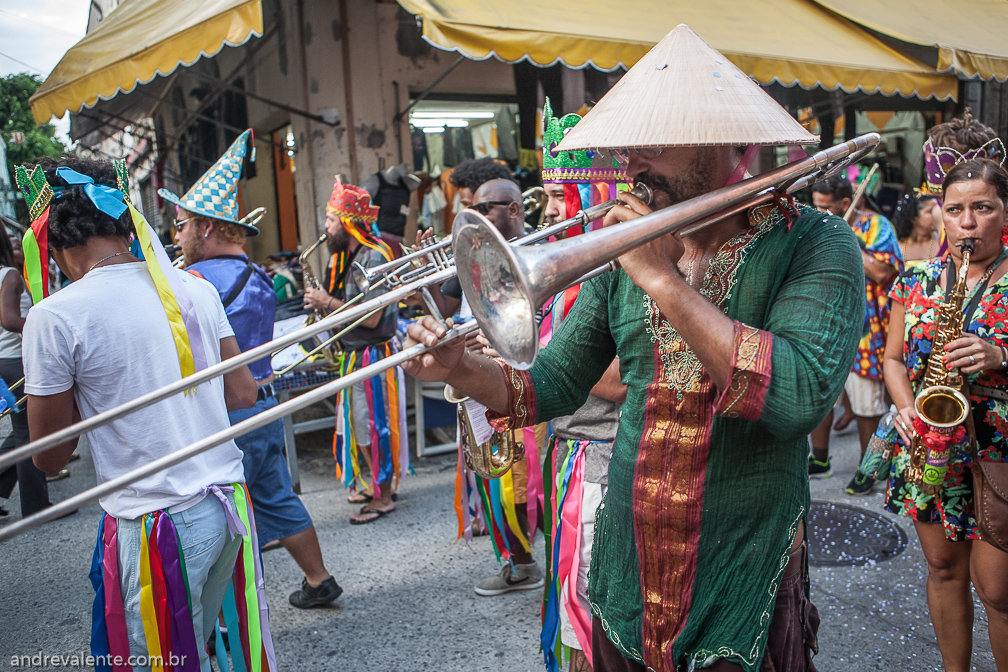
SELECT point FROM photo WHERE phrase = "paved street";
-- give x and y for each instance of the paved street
(408, 602)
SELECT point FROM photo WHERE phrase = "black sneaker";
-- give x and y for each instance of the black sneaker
(860, 484)
(819, 469)
(315, 596)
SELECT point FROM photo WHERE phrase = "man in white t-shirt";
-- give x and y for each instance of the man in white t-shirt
(106, 339)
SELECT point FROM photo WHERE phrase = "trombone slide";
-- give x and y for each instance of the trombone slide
(256, 421)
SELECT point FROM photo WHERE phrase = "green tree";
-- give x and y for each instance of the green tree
(16, 117)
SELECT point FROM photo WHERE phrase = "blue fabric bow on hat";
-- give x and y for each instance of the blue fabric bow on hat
(106, 199)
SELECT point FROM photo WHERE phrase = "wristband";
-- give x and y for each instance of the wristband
(1004, 357)
(328, 304)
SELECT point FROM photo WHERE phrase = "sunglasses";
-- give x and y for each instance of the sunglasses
(622, 154)
(179, 224)
(484, 207)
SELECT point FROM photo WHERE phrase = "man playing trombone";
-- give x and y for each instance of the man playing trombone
(174, 544)
(733, 344)
(212, 238)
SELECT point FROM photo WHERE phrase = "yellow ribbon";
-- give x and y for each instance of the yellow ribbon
(164, 291)
(147, 615)
(508, 504)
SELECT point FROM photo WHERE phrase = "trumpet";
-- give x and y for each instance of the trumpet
(505, 285)
(534, 200)
(436, 252)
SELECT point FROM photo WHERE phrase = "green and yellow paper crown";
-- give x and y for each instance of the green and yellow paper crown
(581, 166)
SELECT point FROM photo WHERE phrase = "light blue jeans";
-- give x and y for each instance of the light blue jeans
(209, 552)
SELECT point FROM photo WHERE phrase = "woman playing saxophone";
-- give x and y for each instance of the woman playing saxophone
(937, 302)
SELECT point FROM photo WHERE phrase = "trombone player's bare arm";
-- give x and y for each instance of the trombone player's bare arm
(470, 372)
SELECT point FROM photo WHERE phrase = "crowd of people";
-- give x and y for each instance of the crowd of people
(665, 395)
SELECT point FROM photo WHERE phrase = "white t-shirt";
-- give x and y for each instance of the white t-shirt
(107, 336)
(10, 341)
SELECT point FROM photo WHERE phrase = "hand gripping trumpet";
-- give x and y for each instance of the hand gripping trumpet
(506, 284)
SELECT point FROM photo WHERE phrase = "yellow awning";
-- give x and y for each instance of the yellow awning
(969, 34)
(785, 41)
(139, 40)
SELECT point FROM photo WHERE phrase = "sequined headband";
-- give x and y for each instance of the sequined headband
(938, 161)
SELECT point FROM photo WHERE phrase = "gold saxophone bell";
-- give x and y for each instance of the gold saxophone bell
(943, 408)
(490, 458)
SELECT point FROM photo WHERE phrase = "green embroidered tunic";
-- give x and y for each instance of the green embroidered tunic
(708, 480)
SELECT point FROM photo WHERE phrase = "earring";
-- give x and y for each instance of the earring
(206, 235)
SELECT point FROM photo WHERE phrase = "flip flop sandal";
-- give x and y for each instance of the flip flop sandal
(364, 510)
(359, 498)
(366, 499)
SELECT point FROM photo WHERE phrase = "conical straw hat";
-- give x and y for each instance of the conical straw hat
(685, 93)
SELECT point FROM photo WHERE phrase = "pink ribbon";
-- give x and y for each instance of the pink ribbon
(535, 494)
(570, 555)
(375, 443)
(115, 615)
(743, 165)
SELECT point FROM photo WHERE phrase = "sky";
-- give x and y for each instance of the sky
(34, 36)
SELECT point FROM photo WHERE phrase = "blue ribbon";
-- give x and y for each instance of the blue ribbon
(106, 199)
(99, 630)
(381, 424)
(7, 399)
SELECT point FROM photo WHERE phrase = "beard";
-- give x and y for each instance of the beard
(337, 243)
(192, 249)
(694, 182)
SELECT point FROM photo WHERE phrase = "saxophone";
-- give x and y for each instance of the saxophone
(311, 281)
(940, 403)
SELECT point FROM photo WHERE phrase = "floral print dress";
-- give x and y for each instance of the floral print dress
(920, 290)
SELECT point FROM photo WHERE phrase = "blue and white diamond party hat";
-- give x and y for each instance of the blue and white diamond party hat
(216, 193)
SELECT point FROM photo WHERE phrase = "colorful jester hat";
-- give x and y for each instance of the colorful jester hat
(352, 205)
(215, 194)
(177, 304)
(588, 176)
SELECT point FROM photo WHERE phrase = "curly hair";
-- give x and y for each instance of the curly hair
(979, 169)
(837, 186)
(474, 172)
(906, 213)
(73, 218)
(963, 134)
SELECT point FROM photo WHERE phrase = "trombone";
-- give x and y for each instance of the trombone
(515, 287)
(506, 285)
(438, 251)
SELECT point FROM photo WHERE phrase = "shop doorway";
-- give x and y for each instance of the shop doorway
(283, 172)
